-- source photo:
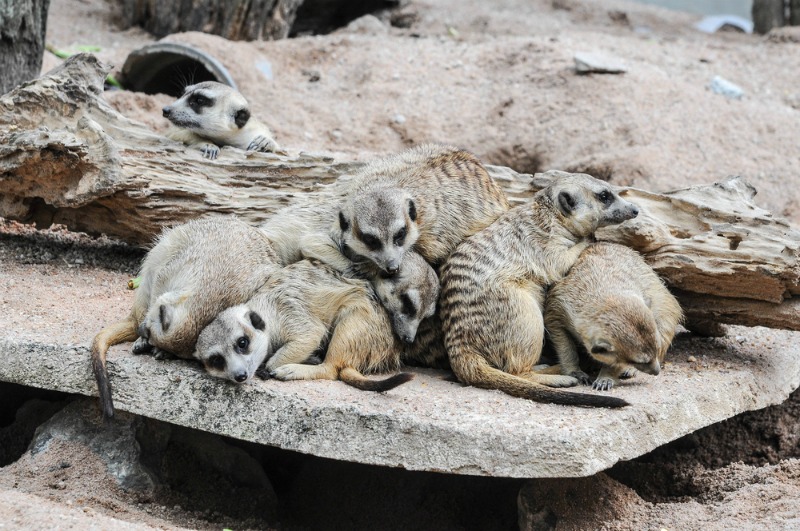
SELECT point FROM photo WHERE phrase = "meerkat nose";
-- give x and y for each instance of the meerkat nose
(166, 111)
(392, 270)
(240, 377)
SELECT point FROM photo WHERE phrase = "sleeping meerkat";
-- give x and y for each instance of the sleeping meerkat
(297, 310)
(428, 198)
(614, 305)
(301, 231)
(210, 115)
(193, 272)
(493, 288)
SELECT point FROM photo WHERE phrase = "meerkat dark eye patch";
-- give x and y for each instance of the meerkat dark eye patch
(343, 224)
(408, 306)
(241, 345)
(256, 321)
(372, 242)
(566, 202)
(216, 362)
(412, 210)
(198, 101)
(241, 117)
(400, 237)
(605, 197)
(165, 317)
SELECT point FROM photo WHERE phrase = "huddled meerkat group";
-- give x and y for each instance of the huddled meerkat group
(420, 261)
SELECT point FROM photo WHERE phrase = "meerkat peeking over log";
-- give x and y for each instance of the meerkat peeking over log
(193, 272)
(493, 288)
(300, 308)
(428, 198)
(211, 115)
(614, 305)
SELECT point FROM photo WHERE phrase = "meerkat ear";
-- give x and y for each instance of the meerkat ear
(241, 117)
(165, 316)
(343, 223)
(602, 347)
(412, 210)
(256, 321)
(566, 202)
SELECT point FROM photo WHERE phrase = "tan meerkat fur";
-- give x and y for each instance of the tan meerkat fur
(211, 115)
(301, 307)
(614, 305)
(193, 272)
(302, 230)
(428, 198)
(493, 288)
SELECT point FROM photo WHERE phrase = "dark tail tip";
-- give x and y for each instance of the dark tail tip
(103, 387)
(603, 401)
(380, 386)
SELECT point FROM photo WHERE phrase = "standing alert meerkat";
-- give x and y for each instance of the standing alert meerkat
(428, 198)
(194, 271)
(210, 115)
(493, 288)
(614, 305)
(301, 307)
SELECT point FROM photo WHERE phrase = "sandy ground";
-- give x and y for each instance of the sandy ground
(496, 78)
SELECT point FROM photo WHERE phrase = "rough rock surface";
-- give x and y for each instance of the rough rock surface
(427, 424)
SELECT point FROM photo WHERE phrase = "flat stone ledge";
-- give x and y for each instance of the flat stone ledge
(430, 423)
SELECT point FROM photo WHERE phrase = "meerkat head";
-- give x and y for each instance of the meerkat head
(409, 296)
(209, 109)
(168, 323)
(234, 344)
(585, 204)
(625, 334)
(380, 225)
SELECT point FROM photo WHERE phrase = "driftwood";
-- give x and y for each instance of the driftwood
(67, 157)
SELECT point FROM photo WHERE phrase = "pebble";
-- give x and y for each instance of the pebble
(399, 119)
(691, 359)
(595, 63)
(720, 85)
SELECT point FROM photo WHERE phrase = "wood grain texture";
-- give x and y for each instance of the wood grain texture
(67, 157)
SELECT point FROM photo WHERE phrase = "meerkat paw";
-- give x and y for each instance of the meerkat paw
(162, 354)
(262, 143)
(560, 381)
(604, 383)
(581, 376)
(210, 151)
(141, 346)
(263, 373)
(630, 372)
(293, 371)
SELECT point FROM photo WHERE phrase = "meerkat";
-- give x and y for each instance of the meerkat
(493, 288)
(302, 306)
(193, 272)
(210, 115)
(614, 305)
(301, 231)
(428, 198)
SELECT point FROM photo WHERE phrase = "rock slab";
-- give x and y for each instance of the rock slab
(431, 423)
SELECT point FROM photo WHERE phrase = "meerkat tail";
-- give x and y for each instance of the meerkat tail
(481, 374)
(352, 377)
(114, 334)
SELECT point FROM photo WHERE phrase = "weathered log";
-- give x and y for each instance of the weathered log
(22, 29)
(233, 19)
(67, 157)
(767, 14)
